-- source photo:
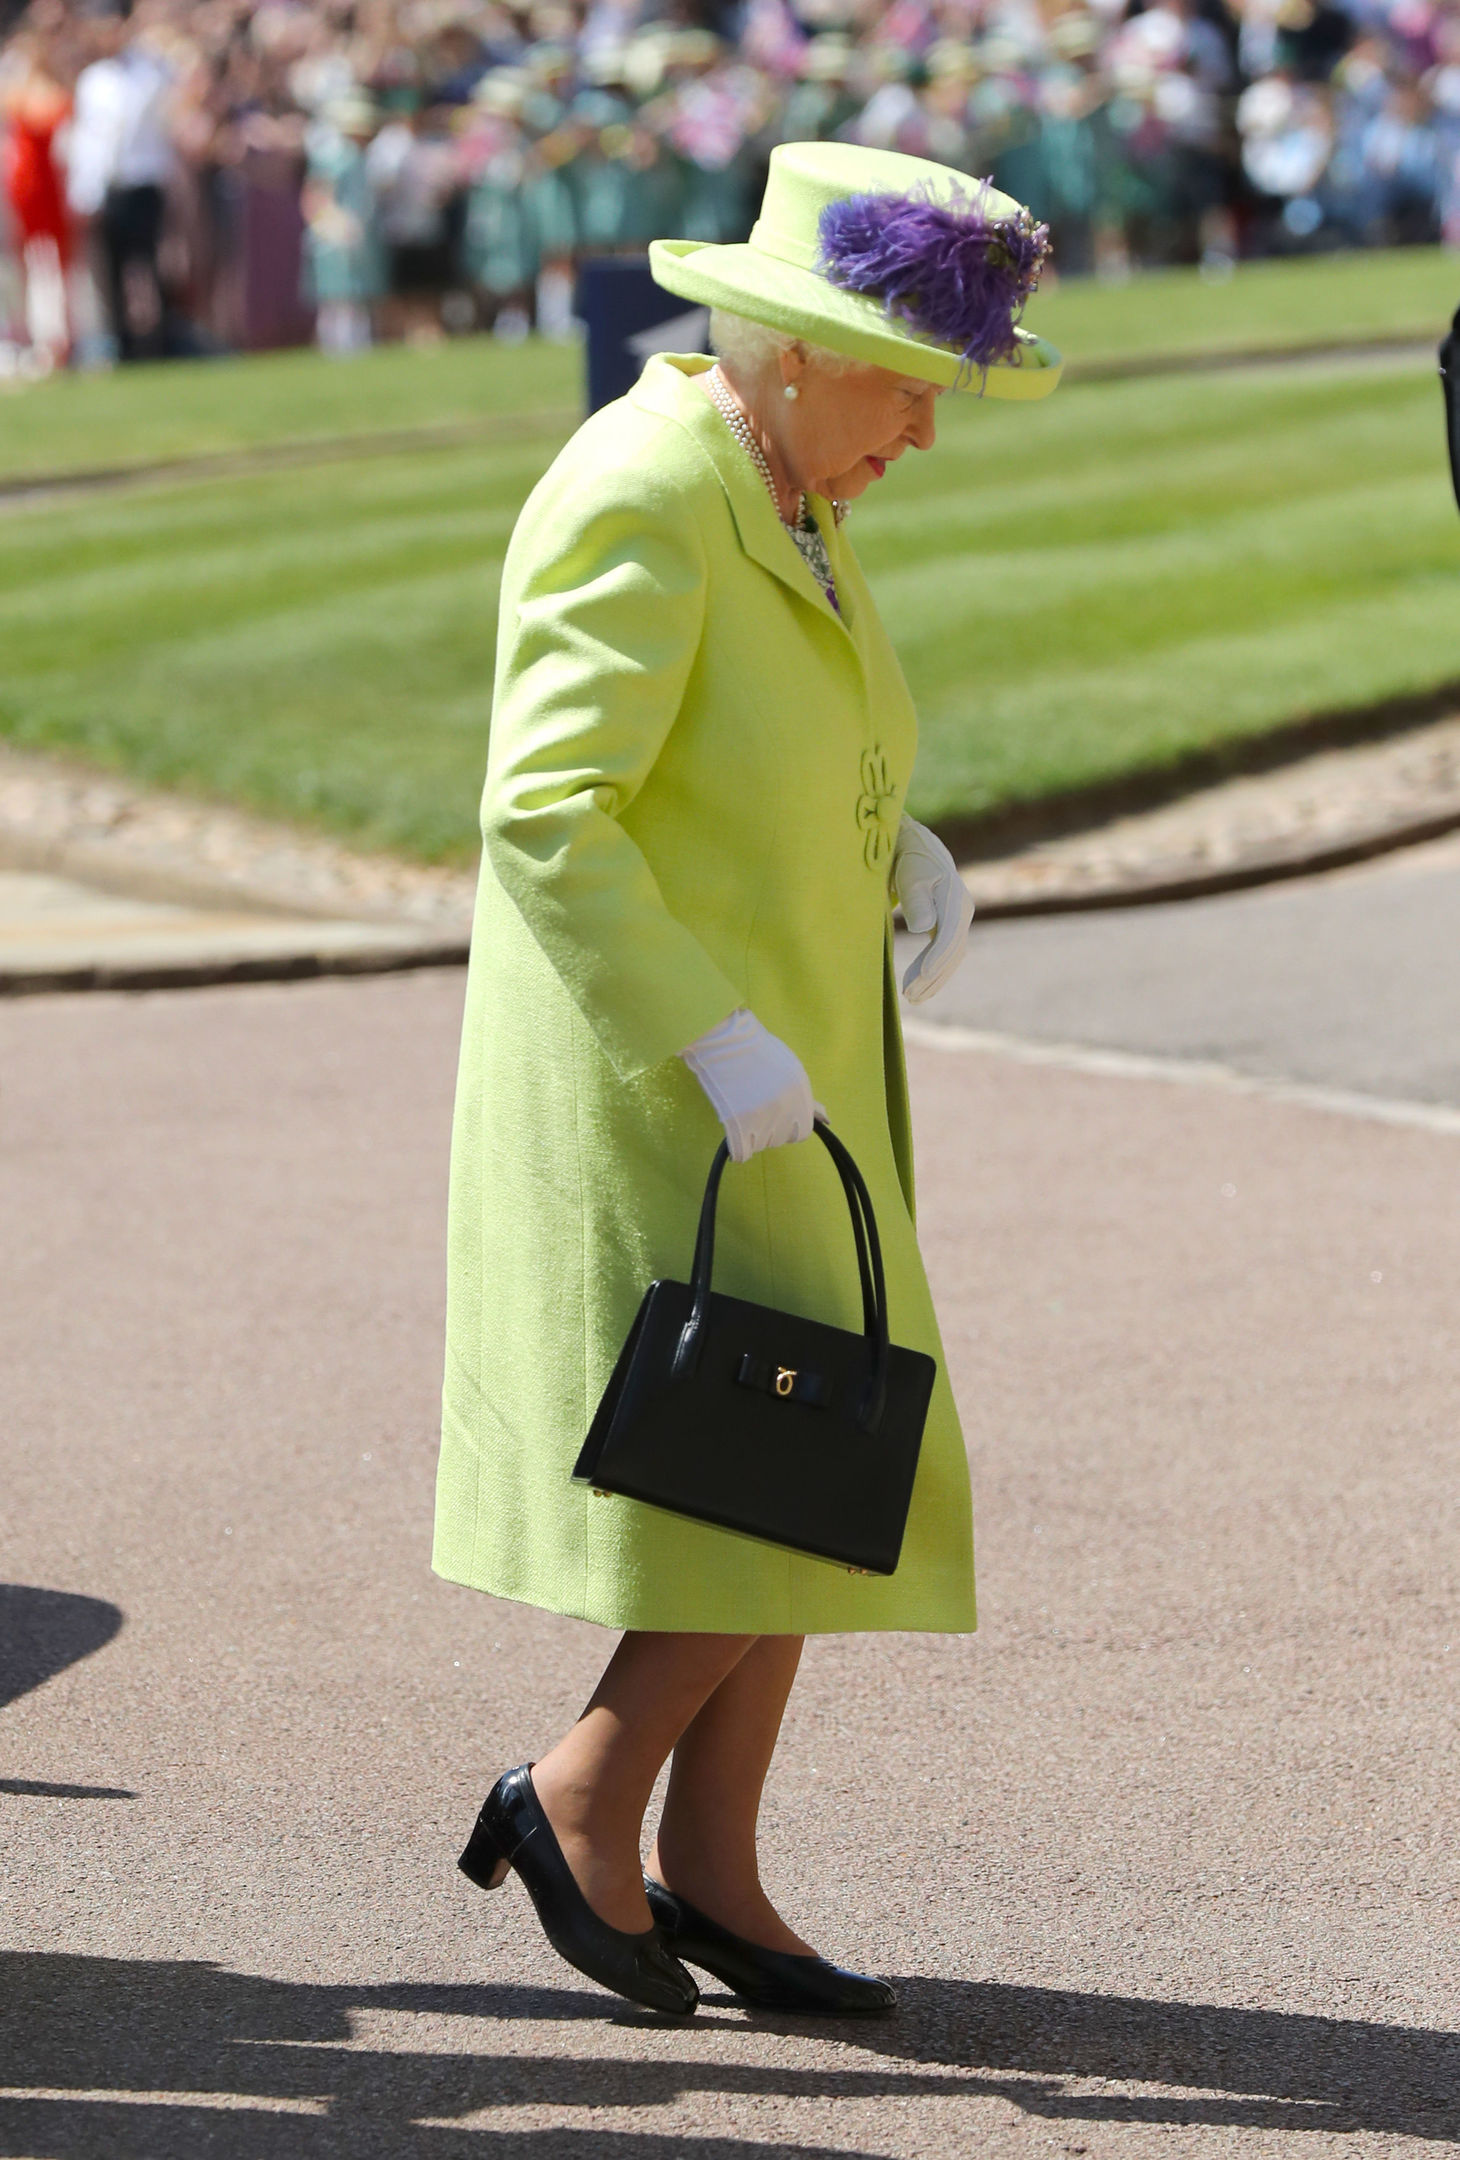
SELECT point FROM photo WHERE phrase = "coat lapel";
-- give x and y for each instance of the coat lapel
(666, 387)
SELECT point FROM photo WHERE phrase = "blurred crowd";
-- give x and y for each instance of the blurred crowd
(190, 176)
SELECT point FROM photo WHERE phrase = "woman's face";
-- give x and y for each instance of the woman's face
(843, 430)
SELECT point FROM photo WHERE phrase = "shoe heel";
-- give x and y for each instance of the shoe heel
(484, 1861)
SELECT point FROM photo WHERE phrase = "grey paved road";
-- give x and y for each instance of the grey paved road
(1349, 981)
(1165, 1853)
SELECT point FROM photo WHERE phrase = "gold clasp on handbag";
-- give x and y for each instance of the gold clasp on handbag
(785, 1379)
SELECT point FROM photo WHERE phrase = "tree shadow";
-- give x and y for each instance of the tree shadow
(227, 2064)
(44, 1631)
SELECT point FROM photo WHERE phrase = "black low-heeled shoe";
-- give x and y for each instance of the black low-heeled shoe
(513, 1831)
(768, 1979)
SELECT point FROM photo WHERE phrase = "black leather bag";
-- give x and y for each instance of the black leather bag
(761, 1421)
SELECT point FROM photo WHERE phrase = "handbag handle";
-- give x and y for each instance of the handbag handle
(869, 1270)
(704, 1253)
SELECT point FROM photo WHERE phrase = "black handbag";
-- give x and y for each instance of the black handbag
(761, 1421)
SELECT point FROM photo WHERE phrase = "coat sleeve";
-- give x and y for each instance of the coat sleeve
(602, 607)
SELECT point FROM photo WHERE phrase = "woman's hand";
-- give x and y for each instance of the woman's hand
(756, 1083)
(933, 897)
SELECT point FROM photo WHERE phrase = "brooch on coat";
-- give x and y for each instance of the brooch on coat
(877, 812)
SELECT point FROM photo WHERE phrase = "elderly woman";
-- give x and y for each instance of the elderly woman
(694, 833)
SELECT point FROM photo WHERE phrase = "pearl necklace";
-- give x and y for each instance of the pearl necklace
(740, 428)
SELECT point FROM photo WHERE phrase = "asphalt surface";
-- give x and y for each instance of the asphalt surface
(1349, 981)
(1165, 1853)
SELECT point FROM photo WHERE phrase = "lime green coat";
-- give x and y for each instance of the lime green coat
(694, 781)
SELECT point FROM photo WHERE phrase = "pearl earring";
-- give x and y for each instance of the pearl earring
(792, 392)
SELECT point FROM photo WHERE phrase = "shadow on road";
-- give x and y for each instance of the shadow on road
(1243, 2069)
(233, 2065)
(44, 1631)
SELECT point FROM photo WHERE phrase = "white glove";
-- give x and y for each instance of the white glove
(933, 897)
(757, 1084)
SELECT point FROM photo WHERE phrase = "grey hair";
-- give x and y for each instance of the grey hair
(751, 346)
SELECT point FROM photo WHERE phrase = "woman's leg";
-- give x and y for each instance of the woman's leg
(595, 1784)
(705, 1849)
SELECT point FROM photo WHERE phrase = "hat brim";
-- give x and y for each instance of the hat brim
(744, 280)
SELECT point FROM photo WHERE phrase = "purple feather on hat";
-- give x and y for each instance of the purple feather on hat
(951, 272)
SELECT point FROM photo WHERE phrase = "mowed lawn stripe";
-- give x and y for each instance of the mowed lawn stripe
(324, 651)
(180, 598)
(1164, 568)
(1053, 732)
(138, 415)
(1108, 459)
(1112, 598)
(367, 712)
(238, 573)
(41, 544)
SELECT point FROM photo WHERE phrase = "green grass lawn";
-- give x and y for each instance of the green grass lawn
(1082, 590)
(1265, 306)
(140, 415)
(1136, 572)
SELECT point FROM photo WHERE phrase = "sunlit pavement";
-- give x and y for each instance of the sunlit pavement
(1167, 1849)
(1347, 981)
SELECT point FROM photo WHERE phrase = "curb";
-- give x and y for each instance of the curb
(1012, 827)
(451, 952)
(1231, 877)
(197, 974)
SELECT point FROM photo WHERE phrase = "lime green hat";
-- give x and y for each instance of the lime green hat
(887, 259)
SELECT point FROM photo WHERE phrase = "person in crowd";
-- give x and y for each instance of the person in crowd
(500, 245)
(601, 173)
(343, 264)
(694, 830)
(1287, 135)
(413, 170)
(819, 100)
(120, 161)
(1402, 150)
(553, 143)
(712, 111)
(1142, 131)
(35, 103)
(1443, 83)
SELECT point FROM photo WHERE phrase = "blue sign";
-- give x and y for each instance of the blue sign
(627, 317)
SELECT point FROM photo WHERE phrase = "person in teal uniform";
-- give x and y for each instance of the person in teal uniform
(714, 111)
(601, 175)
(694, 832)
(553, 141)
(820, 103)
(344, 262)
(499, 241)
